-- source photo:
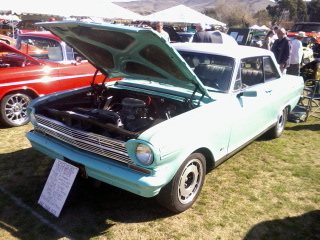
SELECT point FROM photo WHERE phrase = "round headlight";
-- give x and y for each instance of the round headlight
(144, 154)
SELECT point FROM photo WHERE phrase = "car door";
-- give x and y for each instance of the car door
(252, 106)
(20, 71)
(274, 86)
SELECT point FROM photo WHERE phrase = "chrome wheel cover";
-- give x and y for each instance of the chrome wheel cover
(16, 108)
(190, 181)
(281, 121)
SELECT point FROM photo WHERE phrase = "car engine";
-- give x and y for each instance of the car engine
(119, 114)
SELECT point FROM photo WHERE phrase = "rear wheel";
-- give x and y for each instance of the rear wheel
(13, 110)
(182, 191)
(278, 129)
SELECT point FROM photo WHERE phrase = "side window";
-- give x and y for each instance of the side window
(251, 71)
(270, 69)
(39, 47)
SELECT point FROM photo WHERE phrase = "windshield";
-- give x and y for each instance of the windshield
(213, 71)
(306, 28)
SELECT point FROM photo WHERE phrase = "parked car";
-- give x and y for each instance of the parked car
(181, 110)
(257, 39)
(24, 77)
(185, 36)
(216, 36)
(312, 30)
(220, 37)
(7, 27)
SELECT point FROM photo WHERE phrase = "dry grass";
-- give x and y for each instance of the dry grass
(269, 190)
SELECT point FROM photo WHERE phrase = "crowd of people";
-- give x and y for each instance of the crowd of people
(288, 53)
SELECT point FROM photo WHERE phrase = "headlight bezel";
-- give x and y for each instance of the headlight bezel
(144, 155)
(132, 145)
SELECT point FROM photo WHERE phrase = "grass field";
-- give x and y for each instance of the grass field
(269, 190)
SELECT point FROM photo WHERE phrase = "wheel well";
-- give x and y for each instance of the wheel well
(28, 92)
(208, 156)
(288, 108)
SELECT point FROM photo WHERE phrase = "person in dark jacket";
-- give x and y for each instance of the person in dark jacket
(201, 35)
(282, 49)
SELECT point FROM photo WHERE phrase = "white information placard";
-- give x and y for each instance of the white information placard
(234, 35)
(58, 186)
(240, 38)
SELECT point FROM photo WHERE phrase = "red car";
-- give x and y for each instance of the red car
(312, 30)
(45, 65)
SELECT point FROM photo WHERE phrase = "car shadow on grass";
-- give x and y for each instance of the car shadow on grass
(306, 226)
(304, 126)
(295, 127)
(89, 210)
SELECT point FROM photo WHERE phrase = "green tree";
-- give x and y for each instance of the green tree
(262, 17)
(276, 12)
(294, 10)
(314, 11)
(302, 11)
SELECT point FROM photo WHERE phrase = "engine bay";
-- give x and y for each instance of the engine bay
(115, 113)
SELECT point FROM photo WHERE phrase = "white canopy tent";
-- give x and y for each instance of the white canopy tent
(67, 8)
(256, 27)
(9, 17)
(33, 7)
(101, 8)
(182, 14)
(264, 27)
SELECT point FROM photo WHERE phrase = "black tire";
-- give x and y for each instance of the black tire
(278, 129)
(13, 112)
(182, 191)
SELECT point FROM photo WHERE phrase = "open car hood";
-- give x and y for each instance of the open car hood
(136, 53)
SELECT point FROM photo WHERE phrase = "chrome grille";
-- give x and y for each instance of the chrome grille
(90, 142)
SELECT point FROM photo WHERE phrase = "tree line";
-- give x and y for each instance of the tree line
(238, 14)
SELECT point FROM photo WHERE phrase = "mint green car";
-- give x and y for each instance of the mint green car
(179, 111)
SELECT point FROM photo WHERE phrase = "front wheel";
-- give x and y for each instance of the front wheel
(278, 129)
(182, 191)
(13, 112)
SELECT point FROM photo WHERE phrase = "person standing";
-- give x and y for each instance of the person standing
(201, 35)
(296, 54)
(161, 32)
(282, 49)
(268, 41)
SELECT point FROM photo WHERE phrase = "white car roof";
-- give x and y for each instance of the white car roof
(237, 51)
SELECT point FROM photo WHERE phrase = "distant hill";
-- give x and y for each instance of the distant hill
(145, 7)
